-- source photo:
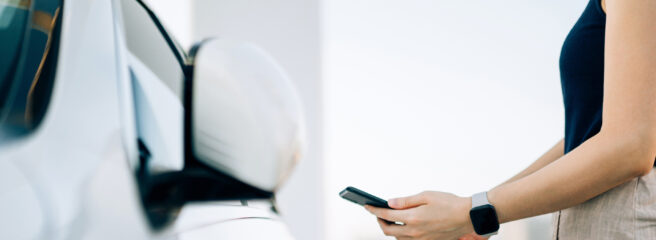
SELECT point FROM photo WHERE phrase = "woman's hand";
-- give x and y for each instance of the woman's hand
(428, 215)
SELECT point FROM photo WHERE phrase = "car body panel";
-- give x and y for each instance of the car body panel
(251, 228)
(198, 221)
(158, 111)
(82, 128)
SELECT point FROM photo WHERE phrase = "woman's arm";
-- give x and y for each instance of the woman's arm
(551, 155)
(624, 148)
(601, 163)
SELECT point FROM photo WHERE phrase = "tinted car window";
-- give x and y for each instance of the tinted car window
(29, 43)
(145, 40)
(13, 19)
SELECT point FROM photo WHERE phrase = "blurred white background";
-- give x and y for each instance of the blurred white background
(403, 96)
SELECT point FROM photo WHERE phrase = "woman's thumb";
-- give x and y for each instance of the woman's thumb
(407, 202)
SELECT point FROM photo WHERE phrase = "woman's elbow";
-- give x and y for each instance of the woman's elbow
(637, 150)
(644, 166)
(641, 151)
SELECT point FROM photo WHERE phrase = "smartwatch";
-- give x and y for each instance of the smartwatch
(483, 215)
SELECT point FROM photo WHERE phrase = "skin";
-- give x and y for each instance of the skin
(624, 149)
(551, 155)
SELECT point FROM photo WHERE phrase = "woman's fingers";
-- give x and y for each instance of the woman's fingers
(388, 214)
(392, 229)
(408, 202)
(434, 215)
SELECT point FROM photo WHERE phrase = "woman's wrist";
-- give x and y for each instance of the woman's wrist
(465, 220)
(493, 198)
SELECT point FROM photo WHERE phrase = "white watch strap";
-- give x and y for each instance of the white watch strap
(489, 234)
(479, 199)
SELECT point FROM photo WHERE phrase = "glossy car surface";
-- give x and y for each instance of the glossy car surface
(87, 88)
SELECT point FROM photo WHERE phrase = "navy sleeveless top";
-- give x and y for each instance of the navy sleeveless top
(582, 76)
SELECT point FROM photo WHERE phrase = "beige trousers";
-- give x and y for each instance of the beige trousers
(627, 211)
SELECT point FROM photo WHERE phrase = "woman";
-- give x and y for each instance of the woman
(598, 179)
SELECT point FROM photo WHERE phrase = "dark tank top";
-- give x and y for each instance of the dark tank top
(582, 76)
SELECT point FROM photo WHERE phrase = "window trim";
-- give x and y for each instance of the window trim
(180, 54)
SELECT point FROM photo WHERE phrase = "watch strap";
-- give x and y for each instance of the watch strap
(479, 199)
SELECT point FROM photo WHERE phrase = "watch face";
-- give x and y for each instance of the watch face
(484, 218)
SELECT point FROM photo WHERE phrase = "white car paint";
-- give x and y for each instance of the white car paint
(73, 178)
(158, 109)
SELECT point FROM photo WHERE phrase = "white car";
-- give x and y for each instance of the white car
(109, 130)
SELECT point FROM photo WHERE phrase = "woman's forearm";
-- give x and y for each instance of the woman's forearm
(551, 155)
(596, 166)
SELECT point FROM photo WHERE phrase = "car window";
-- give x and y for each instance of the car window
(145, 39)
(29, 33)
(13, 19)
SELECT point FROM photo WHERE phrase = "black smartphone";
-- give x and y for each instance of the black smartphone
(362, 198)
